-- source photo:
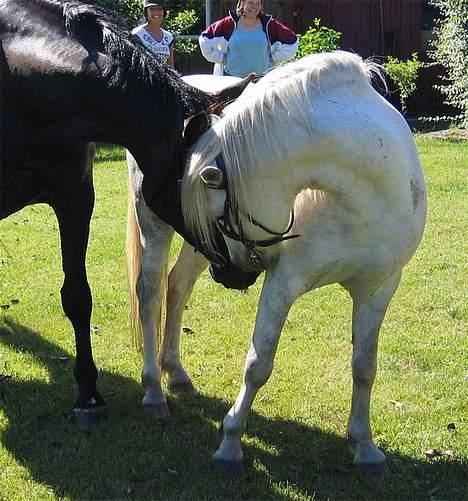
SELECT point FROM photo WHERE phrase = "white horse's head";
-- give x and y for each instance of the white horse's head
(215, 196)
(238, 229)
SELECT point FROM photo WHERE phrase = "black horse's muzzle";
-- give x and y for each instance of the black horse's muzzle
(222, 269)
(233, 277)
(166, 204)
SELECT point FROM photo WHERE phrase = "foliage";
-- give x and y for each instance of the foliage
(182, 24)
(318, 38)
(198, 6)
(130, 10)
(404, 74)
(451, 51)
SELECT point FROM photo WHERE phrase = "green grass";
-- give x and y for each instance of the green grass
(295, 442)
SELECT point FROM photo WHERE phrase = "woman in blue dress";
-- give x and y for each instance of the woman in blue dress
(247, 41)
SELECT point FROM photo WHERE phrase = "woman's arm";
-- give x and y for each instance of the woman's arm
(213, 49)
(284, 42)
(283, 52)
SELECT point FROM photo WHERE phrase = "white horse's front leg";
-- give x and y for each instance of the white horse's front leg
(182, 278)
(273, 309)
(368, 313)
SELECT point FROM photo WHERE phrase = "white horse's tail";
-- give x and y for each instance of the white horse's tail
(133, 260)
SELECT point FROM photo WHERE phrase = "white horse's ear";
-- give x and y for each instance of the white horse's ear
(212, 176)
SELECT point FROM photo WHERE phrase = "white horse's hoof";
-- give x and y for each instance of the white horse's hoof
(374, 469)
(157, 411)
(225, 466)
(183, 387)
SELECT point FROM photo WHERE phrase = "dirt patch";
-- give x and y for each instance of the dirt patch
(449, 134)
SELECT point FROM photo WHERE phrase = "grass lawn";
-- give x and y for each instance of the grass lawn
(295, 443)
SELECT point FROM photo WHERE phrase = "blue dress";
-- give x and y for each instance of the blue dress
(248, 52)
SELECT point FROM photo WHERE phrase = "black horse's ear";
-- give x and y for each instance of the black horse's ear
(233, 91)
(195, 126)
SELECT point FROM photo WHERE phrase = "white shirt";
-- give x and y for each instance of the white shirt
(160, 49)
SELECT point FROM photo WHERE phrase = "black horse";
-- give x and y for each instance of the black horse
(70, 75)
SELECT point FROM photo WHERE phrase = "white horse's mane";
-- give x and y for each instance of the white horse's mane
(252, 130)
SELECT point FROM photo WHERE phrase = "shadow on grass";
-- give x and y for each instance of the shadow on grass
(132, 456)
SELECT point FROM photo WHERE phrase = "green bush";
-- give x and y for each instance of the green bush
(404, 74)
(130, 10)
(182, 23)
(318, 39)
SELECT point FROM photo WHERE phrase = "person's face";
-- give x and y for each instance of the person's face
(251, 8)
(155, 13)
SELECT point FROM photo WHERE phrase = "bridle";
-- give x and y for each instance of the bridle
(230, 222)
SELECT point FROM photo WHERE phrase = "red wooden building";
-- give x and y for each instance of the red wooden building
(369, 28)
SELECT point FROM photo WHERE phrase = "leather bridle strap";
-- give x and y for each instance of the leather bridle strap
(235, 231)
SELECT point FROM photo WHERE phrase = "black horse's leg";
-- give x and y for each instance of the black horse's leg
(73, 210)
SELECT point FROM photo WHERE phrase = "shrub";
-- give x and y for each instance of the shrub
(181, 24)
(131, 10)
(404, 74)
(318, 39)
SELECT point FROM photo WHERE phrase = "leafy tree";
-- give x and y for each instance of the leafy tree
(130, 10)
(318, 38)
(404, 74)
(451, 51)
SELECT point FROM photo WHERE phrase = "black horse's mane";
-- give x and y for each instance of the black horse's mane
(100, 29)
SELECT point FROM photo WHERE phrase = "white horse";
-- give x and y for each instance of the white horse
(315, 140)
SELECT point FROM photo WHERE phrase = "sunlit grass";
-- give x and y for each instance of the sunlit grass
(295, 442)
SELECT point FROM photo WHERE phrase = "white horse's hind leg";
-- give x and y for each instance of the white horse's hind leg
(275, 302)
(368, 313)
(156, 237)
(182, 278)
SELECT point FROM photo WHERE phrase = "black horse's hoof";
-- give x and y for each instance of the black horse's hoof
(230, 467)
(89, 418)
(379, 470)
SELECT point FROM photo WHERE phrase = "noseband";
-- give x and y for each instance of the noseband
(232, 228)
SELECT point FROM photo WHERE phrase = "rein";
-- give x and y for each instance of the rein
(235, 231)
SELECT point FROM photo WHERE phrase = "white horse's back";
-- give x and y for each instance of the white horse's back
(210, 83)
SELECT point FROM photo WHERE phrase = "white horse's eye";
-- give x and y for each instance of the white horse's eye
(212, 176)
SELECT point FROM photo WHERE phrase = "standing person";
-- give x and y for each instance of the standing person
(247, 41)
(159, 41)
